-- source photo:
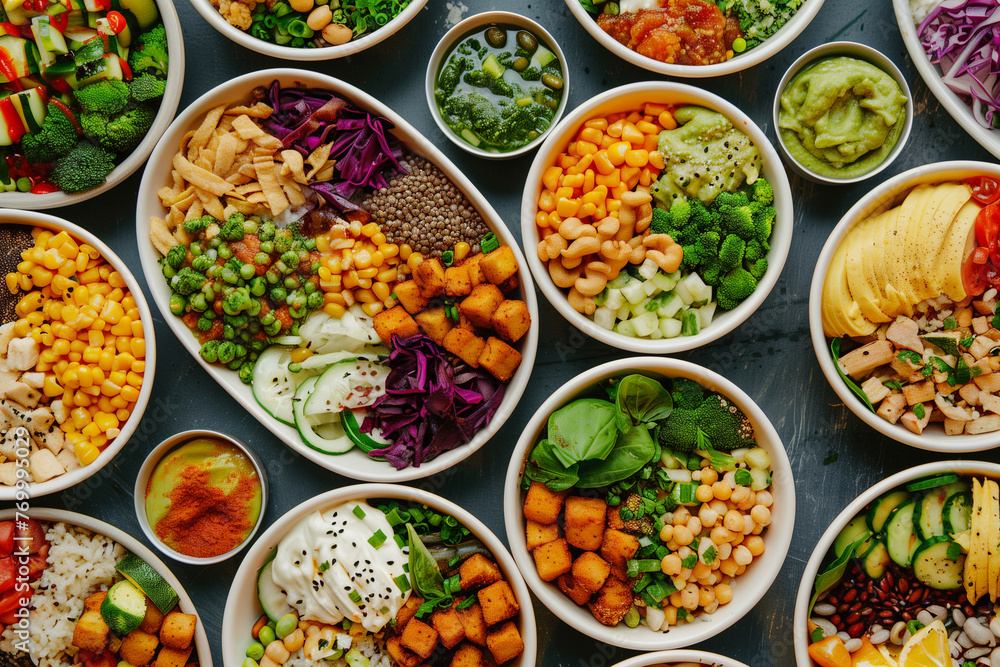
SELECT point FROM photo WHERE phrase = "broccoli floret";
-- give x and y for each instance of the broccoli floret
(762, 191)
(531, 73)
(731, 252)
(679, 431)
(126, 130)
(737, 220)
(736, 199)
(633, 513)
(725, 424)
(687, 394)
(149, 52)
(661, 222)
(705, 218)
(176, 256)
(210, 351)
(711, 271)
(94, 125)
(754, 251)
(146, 87)
(106, 97)
(196, 225)
(758, 268)
(56, 138)
(763, 222)
(680, 213)
(187, 281)
(450, 77)
(204, 324)
(83, 168)
(233, 229)
(735, 286)
(476, 78)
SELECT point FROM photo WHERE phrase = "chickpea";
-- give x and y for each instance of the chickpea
(740, 570)
(733, 521)
(725, 550)
(696, 476)
(748, 524)
(681, 516)
(294, 641)
(671, 613)
(689, 597)
(684, 552)
(755, 544)
(704, 493)
(694, 525)
(720, 507)
(710, 609)
(302, 5)
(320, 17)
(277, 652)
(711, 579)
(683, 535)
(761, 515)
(685, 574)
(728, 567)
(709, 476)
(708, 516)
(671, 565)
(724, 593)
(757, 530)
(722, 490)
(706, 596)
(740, 494)
(765, 498)
(337, 34)
(667, 532)
(737, 540)
(748, 502)
(742, 555)
(700, 571)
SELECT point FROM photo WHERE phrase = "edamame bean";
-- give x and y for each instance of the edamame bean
(255, 651)
(552, 81)
(632, 618)
(266, 634)
(286, 625)
(527, 41)
(497, 37)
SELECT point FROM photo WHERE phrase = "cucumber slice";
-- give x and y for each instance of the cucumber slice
(932, 482)
(850, 534)
(89, 51)
(272, 599)
(929, 518)
(16, 51)
(148, 580)
(145, 12)
(883, 508)
(31, 108)
(957, 513)
(351, 419)
(323, 432)
(123, 608)
(877, 561)
(346, 385)
(901, 538)
(273, 384)
(933, 566)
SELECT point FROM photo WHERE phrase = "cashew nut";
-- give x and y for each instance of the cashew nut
(573, 228)
(626, 230)
(644, 217)
(615, 255)
(551, 246)
(626, 215)
(571, 262)
(608, 227)
(668, 261)
(636, 198)
(582, 304)
(583, 246)
(657, 241)
(594, 283)
(562, 276)
(638, 251)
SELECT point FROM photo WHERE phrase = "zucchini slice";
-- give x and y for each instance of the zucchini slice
(939, 563)
(883, 508)
(901, 538)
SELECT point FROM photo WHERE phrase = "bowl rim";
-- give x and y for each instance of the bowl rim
(211, 14)
(279, 528)
(856, 51)
(146, 471)
(148, 204)
(137, 158)
(953, 104)
(457, 32)
(77, 475)
(679, 636)
(133, 545)
(781, 237)
(880, 196)
(770, 47)
(830, 534)
(683, 655)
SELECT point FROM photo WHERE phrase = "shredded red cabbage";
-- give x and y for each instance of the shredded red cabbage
(431, 404)
(963, 36)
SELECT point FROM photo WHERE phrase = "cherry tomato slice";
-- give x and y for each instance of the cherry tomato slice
(985, 189)
(972, 279)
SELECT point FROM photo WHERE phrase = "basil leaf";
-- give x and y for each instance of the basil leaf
(852, 385)
(641, 400)
(424, 574)
(633, 450)
(584, 430)
(544, 467)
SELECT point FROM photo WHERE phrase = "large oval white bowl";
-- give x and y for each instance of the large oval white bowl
(748, 588)
(128, 166)
(779, 40)
(800, 630)
(66, 480)
(883, 197)
(354, 463)
(210, 13)
(139, 549)
(680, 659)
(243, 608)
(627, 98)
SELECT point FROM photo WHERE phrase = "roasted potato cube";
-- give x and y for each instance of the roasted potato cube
(419, 637)
(401, 655)
(542, 504)
(153, 619)
(572, 588)
(177, 630)
(468, 655)
(584, 522)
(429, 275)
(553, 559)
(407, 611)
(618, 547)
(477, 571)
(435, 323)
(139, 647)
(505, 643)
(395, 321)
(448, 626)
(94, 600)
(539, 534)
(457, 281)
(409, 297)
(91, 632)
(172, 657)
(472, 622)
(481, 303)
(610, 604)
(498, 602)
(500, 359)
(614, 519)
(500, 268)
(465, 345)
(476, 276)
(590, 571)
(511, 320)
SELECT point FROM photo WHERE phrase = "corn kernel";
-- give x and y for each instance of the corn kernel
(334, 310)
(370, 272)
(86, 452)
(123, 413)
(372, 309)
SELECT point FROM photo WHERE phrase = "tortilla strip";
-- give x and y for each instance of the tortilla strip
(174, 217)
(324, 174)
(204, 161)
(293, 166)
(253, 186)
(267, 174)
(207, 129)
(201, 177)
(225, 155)
(160, 236)
(272, 144)
(257, 198)
(258, 110)
(246, 128)
(196, 210)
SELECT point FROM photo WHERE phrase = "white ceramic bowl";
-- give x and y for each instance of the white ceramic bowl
(858, 52)
(456, 34)
(628, 98)
(754, 56)
(680, 659)
(128, 166)
(64, 481)
(800, 630)
(959, 108)
(748, 589)
(883, 197)
(243, 608)
(354, 463)
(139, 549)
(211, 14)
(146, 471)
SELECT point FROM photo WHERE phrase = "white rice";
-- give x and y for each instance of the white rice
(79, 563)
(367, 645)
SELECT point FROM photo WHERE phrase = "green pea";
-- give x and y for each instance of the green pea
(177, 304)
(266, 635)
(228, 332)
(310, 245)
(273, 328)
(249, 227)
(24, 184)
(632, 618)
(497, 37)
(230, 276)
(247, 271)
(272, 277)
(291, 282)
(250, 662)
(261, 258)
(280, 267)
(255, 651)
(225, 252)
(314, 269)
(267, 247)
(254, 309)
(298, 313)
(309, 287)
(168, 271)
(527, 41)
(258, 286)
(291, 258)
(278, 294)
(314, 301)
(552, 81)
(267, 319)
(215, 243)
(196, 248)
(520, 64)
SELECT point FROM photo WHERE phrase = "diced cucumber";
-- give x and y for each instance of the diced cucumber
(16, 51)
(705, 314)
(670, 303)
(272, 600)
(664, 281)
(114, 65)
(645, 324)
(642, 307)
(625, 312)
(78, 36)
(957, 513)
(933, 566)
(669, 327)
(656, 335)
(689, 323)
(900, 537)
(877, 561)
(89, 51)
(850, 534)
(625, 328)
(882, 509)
(615, 299)
(620, 281)
(650, 287)
(604, 317)
(47, 36)
(123, 608)
(648, 269)
(322, 432)
(634, 292)
(682, 291)
(697, 287)
(92, 71)
(31, 108)
(543, 56)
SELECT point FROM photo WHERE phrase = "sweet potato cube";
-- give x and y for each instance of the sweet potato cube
(435, 323)
(172, 657)
(511, 320)
(177, 630)
(500, 268)
(457, 281)
(448, 626)
(476, 276)
(138, 648)
(429, 275)
(153, 619)
(477, 571)
(498, 602)
(401, 655)
(584, 522)
(500, 359)
(505, 643)
(481, 303)
(467, 655)
(590, 571)
(395, 321)
(538, 534)
(542, 504)
(472, 622)
(419, 637)
(553, 559)
(610, 604)
(407, 611)
(465, 345)
(91, 632)
(573, 590)
(618, 547)
(94, 600)
(409, 297)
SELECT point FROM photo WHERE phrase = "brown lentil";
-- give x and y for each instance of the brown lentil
(424, 209)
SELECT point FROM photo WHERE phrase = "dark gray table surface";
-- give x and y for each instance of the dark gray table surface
(770, 356)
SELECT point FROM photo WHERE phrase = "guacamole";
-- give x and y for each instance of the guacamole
(841, 117)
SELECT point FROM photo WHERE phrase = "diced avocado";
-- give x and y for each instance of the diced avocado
(493, 67)
(149, 581)
(543, 56)
(89, 51)
(124, 608)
